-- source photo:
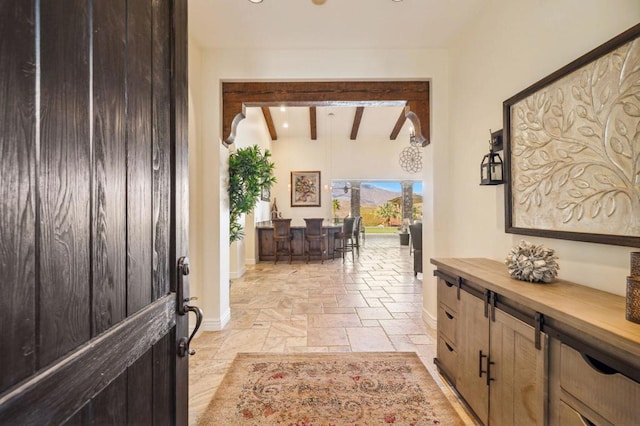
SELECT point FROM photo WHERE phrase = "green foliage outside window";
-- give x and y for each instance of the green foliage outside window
(388, 211)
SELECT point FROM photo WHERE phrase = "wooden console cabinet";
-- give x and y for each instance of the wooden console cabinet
(535, 354)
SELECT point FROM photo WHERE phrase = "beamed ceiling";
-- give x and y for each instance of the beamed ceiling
(410, 99)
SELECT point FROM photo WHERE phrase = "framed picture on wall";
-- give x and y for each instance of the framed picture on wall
(305, 189)
(265, 194)
(572, 149)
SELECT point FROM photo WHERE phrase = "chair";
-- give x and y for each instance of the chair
(345, 236)
(357, 225)
(416, 241)
(314, 237)
(282, 237)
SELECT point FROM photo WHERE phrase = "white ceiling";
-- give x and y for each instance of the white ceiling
(337, 24)
(332, 122)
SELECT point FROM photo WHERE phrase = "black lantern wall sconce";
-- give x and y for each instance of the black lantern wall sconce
(491, 168)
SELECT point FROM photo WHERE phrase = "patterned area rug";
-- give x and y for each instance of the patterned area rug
(329, 389)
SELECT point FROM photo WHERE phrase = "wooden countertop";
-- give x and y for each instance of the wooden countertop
(596, 312)
(298, 224)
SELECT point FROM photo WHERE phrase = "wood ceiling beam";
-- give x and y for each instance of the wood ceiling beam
(399, 123)
(269, 120)
(414, 95)
(313, 123)
(356, 122)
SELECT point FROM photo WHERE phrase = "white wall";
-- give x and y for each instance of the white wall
(220, 65)
(337, 157)
(511, 45)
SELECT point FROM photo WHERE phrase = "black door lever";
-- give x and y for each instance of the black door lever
(183, 308)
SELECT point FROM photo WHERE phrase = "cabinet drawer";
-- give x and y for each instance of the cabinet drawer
(448, 359)
(447, 322)
(610, 394)
(571, 417)
(448, 294)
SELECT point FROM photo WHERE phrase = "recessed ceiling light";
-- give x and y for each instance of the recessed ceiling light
(255, 1)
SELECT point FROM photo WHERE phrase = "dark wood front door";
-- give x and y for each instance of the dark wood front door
(93, 207)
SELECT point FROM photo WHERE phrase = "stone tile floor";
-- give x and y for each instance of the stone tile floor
(372, 304)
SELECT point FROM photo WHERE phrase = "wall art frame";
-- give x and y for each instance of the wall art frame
(265, 194)
(305, 189)
(572, 149)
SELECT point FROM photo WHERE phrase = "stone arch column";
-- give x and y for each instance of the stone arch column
(355, 198)
(407, 200)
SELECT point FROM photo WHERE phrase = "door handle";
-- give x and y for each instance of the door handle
(183, 308)
(183, 271)
(489, 364)
(183, 344)
(480, 370)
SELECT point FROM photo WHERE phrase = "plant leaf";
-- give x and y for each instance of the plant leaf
(604, 179)
(577, 171)
(631, 109)
(586, 131)
(583, 184)
(621, 127)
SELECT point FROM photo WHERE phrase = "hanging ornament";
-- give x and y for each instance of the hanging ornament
(411, 159)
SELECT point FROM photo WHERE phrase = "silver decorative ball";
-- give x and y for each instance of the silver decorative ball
(533, 263)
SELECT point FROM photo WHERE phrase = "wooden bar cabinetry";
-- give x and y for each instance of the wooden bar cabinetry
(535, 354)
(265, 240)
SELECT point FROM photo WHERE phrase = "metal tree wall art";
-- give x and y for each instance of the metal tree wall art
(574, 151)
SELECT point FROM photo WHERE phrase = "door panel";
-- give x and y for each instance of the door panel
(161, 148)
(473, 337)
(139, 113)
(110, 405)
(109, 165)
(63, 174)
(517, 393)
(17, 192)
(93, 211)
(163, 379)
(180, 207)
(139, 389)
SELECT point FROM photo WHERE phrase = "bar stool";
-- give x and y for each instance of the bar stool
(314, 236)
(345, 236)
(416, 242)
(282, 237)
(356, 233)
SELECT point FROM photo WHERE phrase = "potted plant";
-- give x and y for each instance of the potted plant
(404, 232)
(249, 172)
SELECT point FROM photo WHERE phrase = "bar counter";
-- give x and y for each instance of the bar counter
(298, 227)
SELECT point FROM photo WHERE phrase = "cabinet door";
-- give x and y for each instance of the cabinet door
(473, 337)
(517, 394)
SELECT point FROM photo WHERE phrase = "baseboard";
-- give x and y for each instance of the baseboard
(237, 274)
(248, 261)
(213, 324)
(428, 319)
